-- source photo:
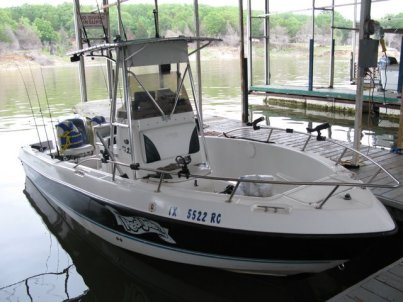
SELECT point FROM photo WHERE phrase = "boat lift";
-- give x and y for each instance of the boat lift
(367, 56)
(266, 39)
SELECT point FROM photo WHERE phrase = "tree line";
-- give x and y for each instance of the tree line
(36, 26)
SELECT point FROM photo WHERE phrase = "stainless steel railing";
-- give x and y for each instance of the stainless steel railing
(308, 140)
(394, 183)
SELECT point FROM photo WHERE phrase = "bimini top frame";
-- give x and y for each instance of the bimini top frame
(155, 45)
(144, 52)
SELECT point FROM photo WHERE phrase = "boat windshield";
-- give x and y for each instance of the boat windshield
(162, 87)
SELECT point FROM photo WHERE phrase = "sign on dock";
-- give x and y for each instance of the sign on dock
(93, 20)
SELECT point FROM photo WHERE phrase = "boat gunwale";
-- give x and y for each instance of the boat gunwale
(337, 163)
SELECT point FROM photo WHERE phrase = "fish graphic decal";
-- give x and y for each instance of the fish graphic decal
(140, 225)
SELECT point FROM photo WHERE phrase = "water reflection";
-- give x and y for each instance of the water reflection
(51, 286)
(376, 131)
(221, 96)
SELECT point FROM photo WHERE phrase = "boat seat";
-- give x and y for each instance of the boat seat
(79, 151)
(162, 141)
(72, 138)
(169, 142)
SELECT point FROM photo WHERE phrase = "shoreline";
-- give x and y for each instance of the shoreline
(41, 58)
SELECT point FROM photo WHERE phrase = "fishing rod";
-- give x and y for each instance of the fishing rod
(40, 108)
(30, 105)
(50, 114)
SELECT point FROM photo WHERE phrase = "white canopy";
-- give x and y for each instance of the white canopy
(143, 52)
(156, 53)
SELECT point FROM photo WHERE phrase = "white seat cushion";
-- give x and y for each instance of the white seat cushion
(79, 150)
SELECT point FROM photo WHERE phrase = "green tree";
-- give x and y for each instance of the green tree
(45, 30)
(6, 24)
(392, 21)
(291, 22)
(323, 24)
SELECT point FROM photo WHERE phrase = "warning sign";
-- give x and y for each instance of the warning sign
(93, 20)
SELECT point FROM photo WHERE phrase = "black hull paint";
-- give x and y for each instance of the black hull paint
(211, 241)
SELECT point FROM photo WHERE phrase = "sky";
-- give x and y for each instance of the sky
(379, 8)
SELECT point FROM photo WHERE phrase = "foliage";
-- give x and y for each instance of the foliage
(6, 23)
(392, 21)
(26, 34)
(291, 22)
(45, 30)
(323, 24)
(54, 24)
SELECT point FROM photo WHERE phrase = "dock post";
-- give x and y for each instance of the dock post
(332, 47)
(79, 41)
(353, 78)
(400, 76)
(311, 49)
(249, 43)
(267, 43)
(365, 16)
(244, 67)
(352, 68)
(399, 140)
(109, 67)
(311, 53)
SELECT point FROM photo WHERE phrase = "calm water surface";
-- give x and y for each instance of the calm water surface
(44, 256)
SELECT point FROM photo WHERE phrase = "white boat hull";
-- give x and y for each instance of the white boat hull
(200, 228)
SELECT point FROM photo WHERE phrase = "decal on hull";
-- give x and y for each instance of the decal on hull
(139, 225)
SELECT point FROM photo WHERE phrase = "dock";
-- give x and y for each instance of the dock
(384, 285)
(346, 95)
(392, 162)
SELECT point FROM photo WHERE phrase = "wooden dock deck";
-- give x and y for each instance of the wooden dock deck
(384, 285)
(342, 95)
(392, 162)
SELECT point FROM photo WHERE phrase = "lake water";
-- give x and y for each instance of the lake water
(44, 256)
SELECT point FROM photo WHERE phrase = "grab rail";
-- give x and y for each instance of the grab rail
(238, 181)
(309, 136)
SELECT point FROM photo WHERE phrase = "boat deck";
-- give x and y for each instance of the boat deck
(384, 285)
(392, 162)
(341, 94)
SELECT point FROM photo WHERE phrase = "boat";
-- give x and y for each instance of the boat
(147, 179)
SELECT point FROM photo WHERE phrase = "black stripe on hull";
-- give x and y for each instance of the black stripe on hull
(213, 241)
